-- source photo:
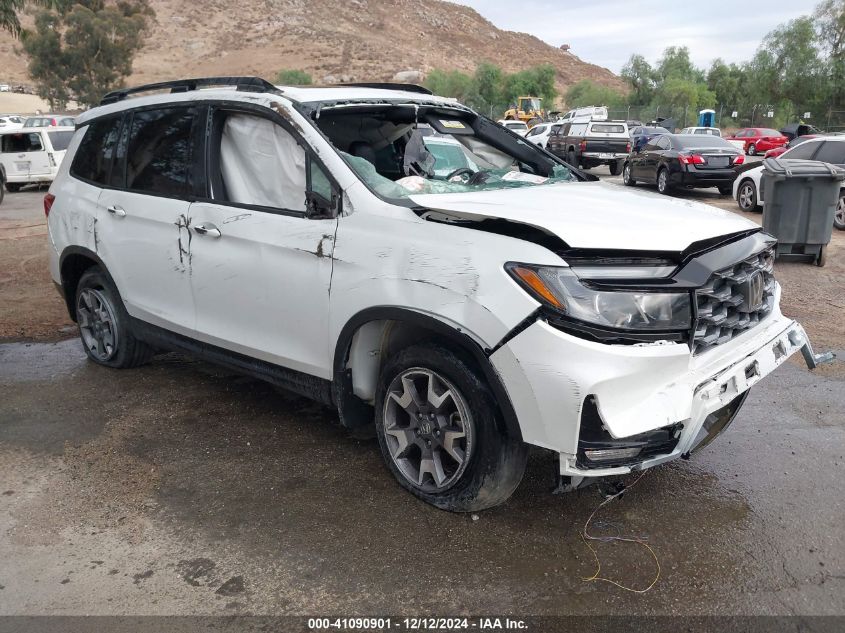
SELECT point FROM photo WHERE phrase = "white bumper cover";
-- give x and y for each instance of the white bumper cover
(549, 373)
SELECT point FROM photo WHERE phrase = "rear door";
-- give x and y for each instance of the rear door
(143, 228)
(24, 156)
(262, 243)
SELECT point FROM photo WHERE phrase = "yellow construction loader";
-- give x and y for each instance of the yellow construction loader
(527, 109)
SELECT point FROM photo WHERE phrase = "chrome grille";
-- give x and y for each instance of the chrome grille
(723, 303)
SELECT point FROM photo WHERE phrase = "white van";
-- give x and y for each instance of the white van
(590, 113)
(32, 155)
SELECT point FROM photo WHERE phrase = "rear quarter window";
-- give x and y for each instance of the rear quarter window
(832, 152)
(60, 140)
(94, 156)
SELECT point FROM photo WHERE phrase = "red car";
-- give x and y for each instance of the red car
(774, 153)
(759, 139)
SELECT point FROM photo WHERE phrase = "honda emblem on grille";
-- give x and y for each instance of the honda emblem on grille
(752, 293)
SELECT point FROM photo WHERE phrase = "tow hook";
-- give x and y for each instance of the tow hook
(812, 359)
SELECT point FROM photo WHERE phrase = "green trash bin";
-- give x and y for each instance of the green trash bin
(799, 202)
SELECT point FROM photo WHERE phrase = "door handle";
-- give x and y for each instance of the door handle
(116, 210)
(207, 228)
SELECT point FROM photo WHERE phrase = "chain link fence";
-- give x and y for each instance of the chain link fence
(732, 117)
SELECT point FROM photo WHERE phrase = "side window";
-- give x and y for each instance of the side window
(832, 152)
(160, 150)
(20, 143)
(664, 143)
(804, 151)
(555, 130)
(262, 165)
(94, 156)
(319, 182)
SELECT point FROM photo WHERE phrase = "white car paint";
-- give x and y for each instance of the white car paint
(712, 131)
(588, 215)
(539, 134)
(517, 127)
(283, 288)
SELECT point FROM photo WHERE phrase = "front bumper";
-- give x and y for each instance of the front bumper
(550, 375)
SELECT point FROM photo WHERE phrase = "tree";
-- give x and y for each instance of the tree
(44, 50)
(488, 85)
(588, 93)
(727, 82)
(293, 77)
(676, 63)
(641, 77)
(86, 50)
(830, 25)
(9, 10)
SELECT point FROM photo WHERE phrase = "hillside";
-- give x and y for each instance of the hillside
(353, 40)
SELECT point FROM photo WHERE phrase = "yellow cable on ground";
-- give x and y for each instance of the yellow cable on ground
(625, 539)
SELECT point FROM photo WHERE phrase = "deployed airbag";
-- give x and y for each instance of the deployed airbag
(262, 164)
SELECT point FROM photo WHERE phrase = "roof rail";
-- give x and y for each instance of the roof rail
(243, 84)
(391, 86)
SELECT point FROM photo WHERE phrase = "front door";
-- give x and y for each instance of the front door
(261, 264)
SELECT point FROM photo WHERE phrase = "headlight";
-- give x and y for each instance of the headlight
(559, 288)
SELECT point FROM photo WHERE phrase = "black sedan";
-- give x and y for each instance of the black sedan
(684, 160)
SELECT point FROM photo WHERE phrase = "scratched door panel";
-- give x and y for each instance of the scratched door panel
(262, 287)
(146, 246)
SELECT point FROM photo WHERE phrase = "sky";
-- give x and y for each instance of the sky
(608, 32)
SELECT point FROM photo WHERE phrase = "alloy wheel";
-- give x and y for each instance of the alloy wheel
(839, 218)
(97, 324)
(661, 181)
(428, 429)
(746, 197)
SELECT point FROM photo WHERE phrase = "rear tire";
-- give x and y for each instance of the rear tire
(839, 216)
(104, 324)
(438, 428)
(746, 196)
(615, 168)
(571, 159)
(663, 185)
(627, 179)
(752, 150)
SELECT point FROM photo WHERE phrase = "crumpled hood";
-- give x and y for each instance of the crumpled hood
(596, 214)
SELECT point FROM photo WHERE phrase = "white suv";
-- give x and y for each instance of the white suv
(304, 236)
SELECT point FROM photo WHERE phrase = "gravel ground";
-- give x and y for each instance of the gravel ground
(180, 488)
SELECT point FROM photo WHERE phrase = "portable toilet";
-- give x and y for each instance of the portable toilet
(707, 118)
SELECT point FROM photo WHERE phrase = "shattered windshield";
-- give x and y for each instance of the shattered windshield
(398, 152)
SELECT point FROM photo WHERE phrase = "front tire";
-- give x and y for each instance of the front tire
(104, 324)
(746, 196)
(627, 179)
(438, 429)
(839, 216)
(663, 181)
